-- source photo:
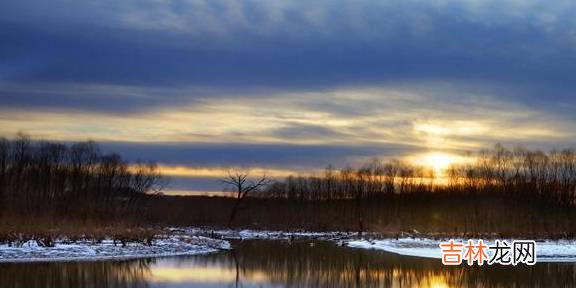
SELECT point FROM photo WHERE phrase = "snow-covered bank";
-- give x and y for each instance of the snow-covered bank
(247, 234)
(192, 241)
(172, 245)
(546, 251)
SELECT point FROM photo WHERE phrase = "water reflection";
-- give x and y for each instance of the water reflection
(133, 273)
(276, 263)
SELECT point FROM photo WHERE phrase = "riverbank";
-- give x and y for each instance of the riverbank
(546, 250)
(193, 241)
(64, 249)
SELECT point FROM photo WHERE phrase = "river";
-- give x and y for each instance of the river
(280, 263)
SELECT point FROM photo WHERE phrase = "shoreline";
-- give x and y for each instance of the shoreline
(64, 251)
(189, 241)
(423, 246)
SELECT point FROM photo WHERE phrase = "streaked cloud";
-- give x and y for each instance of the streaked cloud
(350, 116)
(222, 172)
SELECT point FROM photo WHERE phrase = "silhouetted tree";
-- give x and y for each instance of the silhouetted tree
(242, 185)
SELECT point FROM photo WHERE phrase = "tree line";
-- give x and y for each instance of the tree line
(75, 181)
(519, 173)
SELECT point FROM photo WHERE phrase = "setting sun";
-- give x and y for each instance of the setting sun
(439, 162)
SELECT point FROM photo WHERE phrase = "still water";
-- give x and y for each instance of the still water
(265, 263)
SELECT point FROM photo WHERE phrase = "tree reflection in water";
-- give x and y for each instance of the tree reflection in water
(129, 273)
(324, 264)
(297, 264)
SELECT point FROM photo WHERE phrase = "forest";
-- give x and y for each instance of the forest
(517, 173)
(503, 192)
(50, 188)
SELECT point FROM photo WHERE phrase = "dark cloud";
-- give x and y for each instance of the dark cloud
(133, 45)
(258, 155)
(305, 131)
(96, 98)
(307, 63)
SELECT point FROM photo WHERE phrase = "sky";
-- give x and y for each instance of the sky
(288, 86)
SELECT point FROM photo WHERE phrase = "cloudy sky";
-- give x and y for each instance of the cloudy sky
(288, 86)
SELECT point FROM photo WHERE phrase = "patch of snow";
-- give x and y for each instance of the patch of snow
(556, 251)
(404, 246)
(546, 251)
(247, 234)
(167, 245)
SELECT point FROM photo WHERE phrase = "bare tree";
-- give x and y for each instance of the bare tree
(242, 185)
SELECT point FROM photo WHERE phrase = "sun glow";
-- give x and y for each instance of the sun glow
(439, 162)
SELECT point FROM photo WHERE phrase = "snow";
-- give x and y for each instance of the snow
(556, 251)
(404, 246)
(546, 251)
(192, 241)
(173, 245)
(247, 234)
